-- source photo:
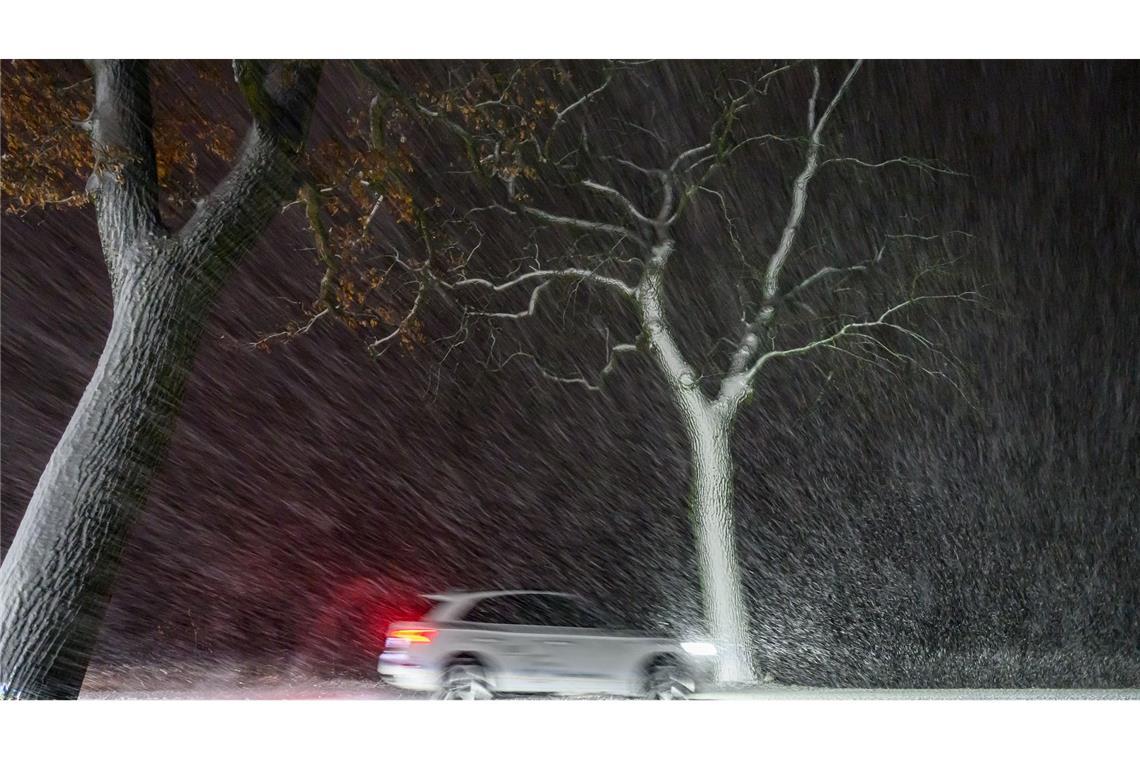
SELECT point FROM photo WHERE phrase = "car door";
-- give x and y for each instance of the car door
(511, 630)
(554, 633)
(585, 652)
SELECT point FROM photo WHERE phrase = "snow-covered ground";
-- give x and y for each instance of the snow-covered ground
(315, 689)
(223, 680)
(806, 692)
(361, 690)
(230, 686)
(233, 682)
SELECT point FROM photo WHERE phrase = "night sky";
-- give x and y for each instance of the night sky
(893, 531)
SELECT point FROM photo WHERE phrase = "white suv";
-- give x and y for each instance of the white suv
(477, 645)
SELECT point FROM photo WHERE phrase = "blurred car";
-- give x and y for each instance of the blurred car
(476, 645)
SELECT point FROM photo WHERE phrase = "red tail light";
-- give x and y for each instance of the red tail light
(413, 635)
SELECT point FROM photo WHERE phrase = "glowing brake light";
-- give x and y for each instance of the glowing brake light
(413, 635)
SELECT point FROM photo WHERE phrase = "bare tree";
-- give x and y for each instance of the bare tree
(59, 570)
(519, 145)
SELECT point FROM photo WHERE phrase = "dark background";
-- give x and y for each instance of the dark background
(893, 533)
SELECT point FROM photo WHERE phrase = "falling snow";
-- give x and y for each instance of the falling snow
(893, 529)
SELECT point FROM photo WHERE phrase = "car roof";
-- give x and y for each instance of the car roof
(453, 605)
(462, 596)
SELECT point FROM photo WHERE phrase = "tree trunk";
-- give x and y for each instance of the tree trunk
(712, 475)
(708, 426)
(57, 575)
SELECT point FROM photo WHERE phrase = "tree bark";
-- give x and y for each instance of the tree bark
(59, 572)
(708, 426)
(726, 611)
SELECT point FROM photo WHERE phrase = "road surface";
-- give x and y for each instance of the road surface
(309, 689)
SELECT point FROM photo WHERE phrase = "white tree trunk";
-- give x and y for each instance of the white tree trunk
(709, 427)
(713, 520)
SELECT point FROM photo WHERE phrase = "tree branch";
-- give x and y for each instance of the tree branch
(124, 182)
(596, 386)
(407, 320)
(621, 200)
(822, 274)
(312, 200)
(740, 381)
(915, 163)
(800, 188)
(571, 273)
(561, 115)
(281, 99)
(531, 309)
(864, 267)
(291, 331)
(582, 224)
(750, 340)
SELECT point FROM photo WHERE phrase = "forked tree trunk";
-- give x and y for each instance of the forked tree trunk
(58, 574)
(708, 426)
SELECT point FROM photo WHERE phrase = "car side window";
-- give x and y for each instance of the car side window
(557, 611)
(568, 612)
(510, 609)
(590, 618)
(535, 609)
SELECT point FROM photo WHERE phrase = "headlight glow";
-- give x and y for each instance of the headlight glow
(699, 648)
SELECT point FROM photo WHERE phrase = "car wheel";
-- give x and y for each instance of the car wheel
(465, 679)
(666, 679)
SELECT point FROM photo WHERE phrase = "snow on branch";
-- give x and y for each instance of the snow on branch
(824, 273)
(582, 224)
(291, 331)
(800, 186)
(404, 323)
(737, 383)
(828, 272)
(531, 309)
(613, 353)
(721, 128)
(925, 165)
(561, 115)
(618, 198)
(570, 273)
